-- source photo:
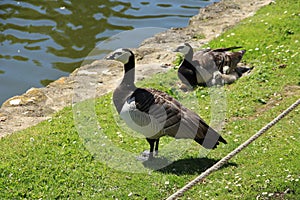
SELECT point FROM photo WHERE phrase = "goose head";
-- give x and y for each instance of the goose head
(124, 56)
(186, 50)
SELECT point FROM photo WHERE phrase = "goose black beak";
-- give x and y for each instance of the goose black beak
(110, 57)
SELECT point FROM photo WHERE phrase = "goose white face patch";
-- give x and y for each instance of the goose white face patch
(121, 55)
(184, 49)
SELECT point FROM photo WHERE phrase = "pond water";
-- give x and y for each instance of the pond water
(44, 40)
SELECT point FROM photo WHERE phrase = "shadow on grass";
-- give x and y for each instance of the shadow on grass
(184, 166)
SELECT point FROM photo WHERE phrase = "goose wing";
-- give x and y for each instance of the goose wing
(149, 112)
(171, 118)
(223, 49)
(206, 65)
(198, 54)
(193, 126)
(227, 58)
(156, 109)
(142, 115)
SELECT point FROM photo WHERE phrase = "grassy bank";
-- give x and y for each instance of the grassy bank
(61, 158)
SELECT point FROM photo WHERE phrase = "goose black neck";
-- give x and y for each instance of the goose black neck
(127, 86)
(188, 64)
(189, 55)
(129, 72)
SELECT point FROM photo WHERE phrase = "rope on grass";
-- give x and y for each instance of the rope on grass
(233, 153)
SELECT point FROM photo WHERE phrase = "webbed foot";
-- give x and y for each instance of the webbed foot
(146, 155)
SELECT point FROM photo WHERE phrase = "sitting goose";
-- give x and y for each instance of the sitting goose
(189, 71)
(201, 67)
(154, 113)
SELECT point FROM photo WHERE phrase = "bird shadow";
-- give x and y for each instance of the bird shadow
(183, 166)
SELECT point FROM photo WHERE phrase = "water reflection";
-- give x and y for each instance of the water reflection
(44, 40)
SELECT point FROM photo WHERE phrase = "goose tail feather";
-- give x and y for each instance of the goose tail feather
(211, 139)
(226, 49)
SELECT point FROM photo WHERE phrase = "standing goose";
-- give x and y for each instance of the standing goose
(206, 64)
(154, 113)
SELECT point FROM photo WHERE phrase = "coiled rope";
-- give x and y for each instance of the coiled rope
(233, 153)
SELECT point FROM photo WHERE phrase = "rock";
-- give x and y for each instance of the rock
(32, 96)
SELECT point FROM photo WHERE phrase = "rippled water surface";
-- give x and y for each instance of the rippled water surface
(44, 40)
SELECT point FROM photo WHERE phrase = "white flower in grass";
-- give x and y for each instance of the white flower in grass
(267, 47)
(292, 137)
(267, 181)
(294, 54)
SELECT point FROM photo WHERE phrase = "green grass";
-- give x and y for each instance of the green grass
(62, 158)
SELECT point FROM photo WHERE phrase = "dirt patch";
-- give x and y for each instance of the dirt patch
(37, 105)
(290, 90)
(275, 100)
